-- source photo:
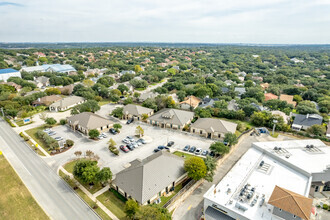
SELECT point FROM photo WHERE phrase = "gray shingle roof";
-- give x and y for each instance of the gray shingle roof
(68, 101)
(136, 110)
(88, 120)
(214, 125)
(144, 179)
(173, 116)
(307, 120)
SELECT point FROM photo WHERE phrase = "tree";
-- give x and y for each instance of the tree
(219, 148)
(211, 165)
(63, 121)
(153, 212)
(77, 153)
(86, 170)
(93, 134)
(131, 208)
(248, 83)
(111, 143)
(117, 127)
(104, 175)
(50, 121)
(306, 107)
(69, 142)
(53, 91)
(118, 112)
(145, 117)
(318, 130)
(230, 138)
(89, 106)
(139, 131)
(122, 88)
(137, 68)
(195, 167)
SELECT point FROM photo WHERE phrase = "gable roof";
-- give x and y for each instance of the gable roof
(88, 120)
(269, 96)
(173, 116)
(68, 101)
(215, 125)
(288, 99)
(42, 79)
(307, 120)
(9, 70)
(145, 178)
(240, 90)
(191, 100)
(291, 202)
(148, 95)
(136, 109)
(47, 100)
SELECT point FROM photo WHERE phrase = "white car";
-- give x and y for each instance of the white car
(198, 151)
(58, 138)
(47, 130)
(104, 135)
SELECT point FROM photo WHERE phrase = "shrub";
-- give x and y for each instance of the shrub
(50, 121)
(24, 137)
(94, 205)
(9, 122)
(325, 206)
(69, 143)
(114, 150)
(62, 121)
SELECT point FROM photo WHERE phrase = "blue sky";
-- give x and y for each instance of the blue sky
(207, 21)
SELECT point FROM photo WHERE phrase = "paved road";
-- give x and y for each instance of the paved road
(50, 191)
(192, 207)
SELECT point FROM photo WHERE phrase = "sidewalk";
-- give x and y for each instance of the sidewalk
(93, 196)
(36, 144)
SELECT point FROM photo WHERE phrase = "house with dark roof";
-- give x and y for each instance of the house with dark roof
(5, 74)
(86, 121)
(290, 205)
(303, 122)
(147, 180)
(171, 118)
(212, 127)
(136, 111)
(207, 102)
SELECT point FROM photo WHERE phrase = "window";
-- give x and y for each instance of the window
(280, 210)
(219, 135)
(294, 216)
(193, 130)
(101, 128)
(200, 132)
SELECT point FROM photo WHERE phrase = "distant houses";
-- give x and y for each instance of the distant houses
(5, 74)
(288, 99)
(66, 103)
(59, 68)
(303, 122)
(190, 103)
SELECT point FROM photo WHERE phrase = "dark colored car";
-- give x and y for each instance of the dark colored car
(192, 149)
(156, 150)
(112, 131)
(129, 121)
(170, 144)
(161, 147)
(186, 148)
(130, 147)
(124, 148)
(212, 154)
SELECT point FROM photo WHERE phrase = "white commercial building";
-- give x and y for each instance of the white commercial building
(294, 169)
(5, 74)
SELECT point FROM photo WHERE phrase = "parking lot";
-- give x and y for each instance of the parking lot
(153, 135)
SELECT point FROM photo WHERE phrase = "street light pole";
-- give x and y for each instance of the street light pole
(275, 121)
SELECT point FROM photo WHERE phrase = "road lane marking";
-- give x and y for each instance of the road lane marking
(189, 208)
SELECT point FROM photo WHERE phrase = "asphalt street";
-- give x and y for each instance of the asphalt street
(50, 191)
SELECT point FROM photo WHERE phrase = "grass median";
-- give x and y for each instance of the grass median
(114, 202)
(16, 202)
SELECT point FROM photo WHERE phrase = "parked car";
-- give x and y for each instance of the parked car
(142, 141)
(135, 145)
(124, 148)
(192, 149)
(100, 137)
(126, 141)
(130, 147)
(156, 150)
(186, 148)
(47, 130)
(205, 152)
(212, 154)
(103, 135)
(170, 144)
(198, 151)
(161, 147)
(138, 142)
(51, 133)
(129, 121)
(58, 138)
(112, 131)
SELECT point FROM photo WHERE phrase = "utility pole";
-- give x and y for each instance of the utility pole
(275, 121)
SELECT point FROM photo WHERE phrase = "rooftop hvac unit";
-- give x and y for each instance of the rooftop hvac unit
(261, 163)
(241, 207)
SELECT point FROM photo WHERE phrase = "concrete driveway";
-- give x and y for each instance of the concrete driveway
(107, 109)
(157, 136)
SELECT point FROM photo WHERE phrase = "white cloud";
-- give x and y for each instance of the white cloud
(216, 21)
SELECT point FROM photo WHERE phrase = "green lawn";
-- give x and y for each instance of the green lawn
(37, 149)
(16, 202)
(20, 123)
(164, 199)
(69, 167)
(184, 155)
(90, 202)
(113, 203)
(33, 134)
(104, 102)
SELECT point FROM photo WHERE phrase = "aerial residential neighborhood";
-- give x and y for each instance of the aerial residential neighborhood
(160, 110)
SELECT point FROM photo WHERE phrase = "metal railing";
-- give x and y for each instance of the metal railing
(183, 190)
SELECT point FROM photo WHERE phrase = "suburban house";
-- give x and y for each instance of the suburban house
(303, 122)
(240, 91)
(66, 90)
(66, 103)
(190, 103)
(148, 95)
(207, 102)
(59, 68)
(280, 113)
(43, 81)
(126, 72)
(86, 121)
(264, 85)
(5, 74)
(171, 118)
(270, 96)
(147, 180)
(212, 127)
(46, 100)
(259, 107)
(288, 99)
(16, 86)
(136, 111)
(224, 90)
(232, 105)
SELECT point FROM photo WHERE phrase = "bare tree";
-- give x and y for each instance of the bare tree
(89, 153)
(78, 153)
